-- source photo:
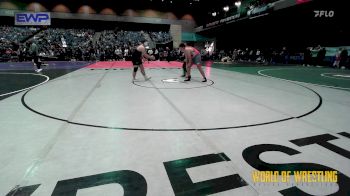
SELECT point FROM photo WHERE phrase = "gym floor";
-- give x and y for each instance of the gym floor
(82, 128)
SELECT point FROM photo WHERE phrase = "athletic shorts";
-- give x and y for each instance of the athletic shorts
(136, 63)
(196, 60)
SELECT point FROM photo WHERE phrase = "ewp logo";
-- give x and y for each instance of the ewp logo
(40, 18)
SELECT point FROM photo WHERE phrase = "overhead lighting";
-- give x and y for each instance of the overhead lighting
(226, 8)
(213, 14)
(238, 3)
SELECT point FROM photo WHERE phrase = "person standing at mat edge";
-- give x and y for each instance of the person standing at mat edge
(137, 55)
(192, 56)
(34, 52)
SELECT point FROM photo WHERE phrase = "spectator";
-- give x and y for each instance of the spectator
(320, 57)
(34, 52)
(344, 59)
(337, 58)
(284, 55)
(307, 57)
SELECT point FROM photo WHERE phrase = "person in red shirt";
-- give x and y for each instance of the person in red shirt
(192, 56)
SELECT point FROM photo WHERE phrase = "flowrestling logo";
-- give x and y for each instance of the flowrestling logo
(30, 18)
(324, 13)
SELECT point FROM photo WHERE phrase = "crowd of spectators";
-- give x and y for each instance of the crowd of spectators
(86, 44)
(76, 44)
(311, 56)
(160, 37)
(267, 55)
(10, 37)
(16, 34)
(117, 45)
(64, 43)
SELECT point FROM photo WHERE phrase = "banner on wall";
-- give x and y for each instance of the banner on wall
(33, 19)
(223, 21)
(261, 10)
